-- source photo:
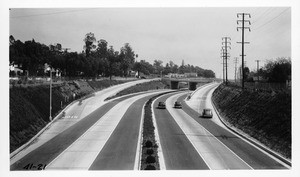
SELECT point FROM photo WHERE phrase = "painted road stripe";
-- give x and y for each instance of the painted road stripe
(160, 154)
(214, 152)
(82, 153)
(138, 156)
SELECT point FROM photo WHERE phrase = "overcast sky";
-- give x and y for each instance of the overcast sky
(190, 34)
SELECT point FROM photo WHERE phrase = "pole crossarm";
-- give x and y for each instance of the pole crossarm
(237, 28)
(243, 14)
(243, 42)
(225, 55)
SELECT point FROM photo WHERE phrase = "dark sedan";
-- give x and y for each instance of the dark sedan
(161, 105)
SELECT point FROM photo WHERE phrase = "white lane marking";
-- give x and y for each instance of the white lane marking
(195, 103)
(189, 125)
(73, 108)
(81, 154)
(198, 92)
(192, 142)
(138, 156)
(220, 122)
(160, 154)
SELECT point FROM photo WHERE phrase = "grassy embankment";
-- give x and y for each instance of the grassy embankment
(29, 105)
(153, 85)
(265, 116)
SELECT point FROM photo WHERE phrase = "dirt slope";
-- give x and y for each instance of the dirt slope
(266, 116)
(29, 105)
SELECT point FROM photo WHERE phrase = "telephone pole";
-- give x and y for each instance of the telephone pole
(243, 15)
(226, 44)
(222, 56)
(235, 67)
(257, 62)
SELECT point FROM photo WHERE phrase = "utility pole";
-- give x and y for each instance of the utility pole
(243, 42)
(257, 62)
(222, 56)
(226, 44)
(235, 66)
(50, 117)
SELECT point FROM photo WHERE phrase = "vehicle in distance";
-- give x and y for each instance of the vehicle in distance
(177, 104)
(207, 113)
(161, 105)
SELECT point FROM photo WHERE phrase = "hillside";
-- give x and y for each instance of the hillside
(265, 116)
(29, 105)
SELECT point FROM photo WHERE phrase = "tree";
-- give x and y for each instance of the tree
(167, 69)
(102, 54)
(89, 41)
(112, 62)
(246, 73)
(158, 66)
(11, 40)
(209, 74)
(278, 70)
(127, 58)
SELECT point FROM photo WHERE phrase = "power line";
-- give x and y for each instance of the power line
(271, 19)
(53, 13)
(265, 13)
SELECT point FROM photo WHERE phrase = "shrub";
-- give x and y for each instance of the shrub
(150, 151)
(150, 167)
(150, 159)
(148, 144)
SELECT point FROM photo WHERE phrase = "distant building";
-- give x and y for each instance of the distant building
(190, 74)
(13, 68)
(175, 75)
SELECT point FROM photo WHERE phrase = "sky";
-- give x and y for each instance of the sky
(190, 34)
(165, 30)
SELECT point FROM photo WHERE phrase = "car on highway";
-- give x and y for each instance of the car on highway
(207, 113)
(161, 105)
(177, 104)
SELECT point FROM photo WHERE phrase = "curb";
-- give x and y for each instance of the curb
(15, 152)
(59, 115)
(250, 141)
(137, 165)
(161, 159)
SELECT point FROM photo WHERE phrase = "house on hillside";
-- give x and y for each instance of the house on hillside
(14, 70)
(190, 74)
(175, 75)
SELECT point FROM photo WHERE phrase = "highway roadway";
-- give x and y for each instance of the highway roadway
(191, 142)
(75, 112)
(113, 129)
(108, 137)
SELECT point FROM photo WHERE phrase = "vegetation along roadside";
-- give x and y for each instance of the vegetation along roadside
(265, 116)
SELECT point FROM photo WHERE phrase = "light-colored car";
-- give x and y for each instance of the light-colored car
(207, 113)
(177, 104)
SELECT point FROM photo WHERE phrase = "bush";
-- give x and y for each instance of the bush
(150, 167)
(150, 151)
(150, 159)
(148, 144)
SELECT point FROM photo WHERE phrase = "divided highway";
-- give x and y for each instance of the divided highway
(107, 137)
(215, 145)
(78, 146)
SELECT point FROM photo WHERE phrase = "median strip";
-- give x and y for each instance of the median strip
(152, 157)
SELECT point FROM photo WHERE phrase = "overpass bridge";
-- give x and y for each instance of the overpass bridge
(192, 82)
